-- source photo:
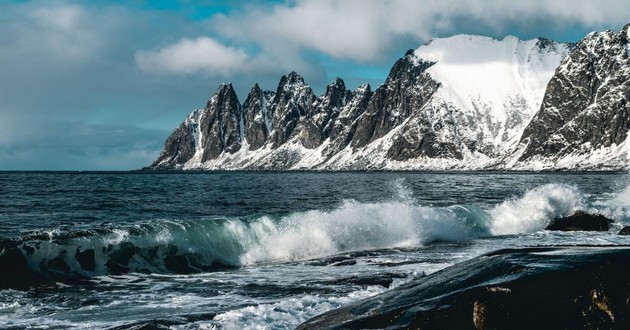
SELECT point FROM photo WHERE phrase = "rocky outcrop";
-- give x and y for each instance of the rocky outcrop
(407, 88)
(531, 288)
(581, 221)
(293, 100)
(180, 145)
(257, 117)
(221, 125)
(206, 133)
(585, 115)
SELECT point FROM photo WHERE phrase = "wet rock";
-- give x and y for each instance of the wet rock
(532, 288)
(581, 221)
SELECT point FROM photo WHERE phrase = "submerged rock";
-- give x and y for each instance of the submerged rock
(550, 288)
(581, 221)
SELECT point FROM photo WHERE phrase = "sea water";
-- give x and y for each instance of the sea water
(236, 250)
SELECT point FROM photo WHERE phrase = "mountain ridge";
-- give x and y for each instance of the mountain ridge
(460, 103)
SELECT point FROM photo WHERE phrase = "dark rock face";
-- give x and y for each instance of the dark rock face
(533, 288)
(407, 88)
(267, 118)
(293, 100)
(581, 221)
(625, 230)
(215, 129)
(342, 127)
(318, 126)
(180, 145)
(221, 124)
(586, 105)
(257, 117)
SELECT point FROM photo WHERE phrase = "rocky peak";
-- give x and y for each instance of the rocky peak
(257, 117)
(407, 88)
(224, 92)
(625, 33)
(458, 102)
(294, 99)
(318, 125)
(221, 124)
(290, 83)
(586, 104)
(336, 95)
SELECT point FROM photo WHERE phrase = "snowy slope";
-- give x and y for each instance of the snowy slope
(498, 85)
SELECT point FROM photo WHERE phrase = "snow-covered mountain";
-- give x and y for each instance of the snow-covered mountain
(585, 116)
(454, 103)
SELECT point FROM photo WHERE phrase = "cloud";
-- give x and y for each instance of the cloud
(188, 56)
(58, 30)
(68, 145)
(364, 30)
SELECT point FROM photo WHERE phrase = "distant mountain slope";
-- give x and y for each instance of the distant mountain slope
(460, 102)
(585, 116)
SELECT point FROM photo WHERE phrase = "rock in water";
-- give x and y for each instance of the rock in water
(625, 230)
(581, 221)
(532, 288)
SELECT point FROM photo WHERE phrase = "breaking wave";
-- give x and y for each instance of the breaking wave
(191, 246)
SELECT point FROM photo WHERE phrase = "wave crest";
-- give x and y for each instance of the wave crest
(187, 246)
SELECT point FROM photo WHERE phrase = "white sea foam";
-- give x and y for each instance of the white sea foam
(534, 210)
(196, 245)
(288, 312)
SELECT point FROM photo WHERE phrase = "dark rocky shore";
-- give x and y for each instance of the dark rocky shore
(530, 288)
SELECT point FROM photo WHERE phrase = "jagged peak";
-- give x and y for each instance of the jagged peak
(607, 37)
(365, 88)
(291, 78)
(255, 89)
(290, 83)
(225, 88)
(338, 82)
(337, 85)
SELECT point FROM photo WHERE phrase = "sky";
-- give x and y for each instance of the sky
(99, 85)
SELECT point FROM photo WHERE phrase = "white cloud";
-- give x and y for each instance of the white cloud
(193, 55)
(364, 29)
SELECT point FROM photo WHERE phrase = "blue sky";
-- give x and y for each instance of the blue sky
(99, 85)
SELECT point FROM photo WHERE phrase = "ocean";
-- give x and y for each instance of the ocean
(243, 250)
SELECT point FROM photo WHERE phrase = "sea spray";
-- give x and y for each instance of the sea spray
(534, 210)
(355, 226)
(201, 245)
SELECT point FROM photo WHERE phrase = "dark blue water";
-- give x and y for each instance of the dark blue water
(248, 249)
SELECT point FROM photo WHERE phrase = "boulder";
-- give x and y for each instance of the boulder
(581, 221)
(625, 230)
(529, 288)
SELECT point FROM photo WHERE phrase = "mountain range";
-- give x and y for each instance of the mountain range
(464, 102)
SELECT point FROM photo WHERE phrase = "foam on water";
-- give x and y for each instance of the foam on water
(287, 313)
(534, 210)
(185, 246)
